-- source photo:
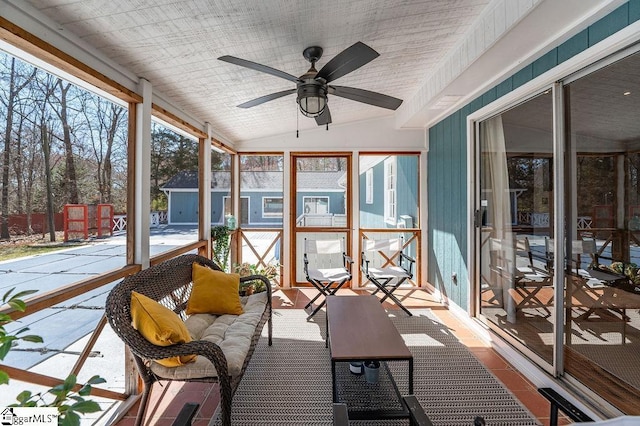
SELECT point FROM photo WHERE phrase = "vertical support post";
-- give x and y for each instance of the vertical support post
(142, 175)
(355, 216)
(236, 235)
(558, 229)
(129, 221)
(204, 191)
(286, 241)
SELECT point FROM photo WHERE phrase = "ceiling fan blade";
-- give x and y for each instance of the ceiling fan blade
(350, 59)
(325, 117)
(266, 98)
(366, 96)
(258, 67)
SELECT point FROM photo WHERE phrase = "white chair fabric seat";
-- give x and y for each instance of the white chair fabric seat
(390, 272)
(331, 274)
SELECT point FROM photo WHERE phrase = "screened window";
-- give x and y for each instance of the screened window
(316, 205)
(369, 186)
(390, 190)
(272, 206)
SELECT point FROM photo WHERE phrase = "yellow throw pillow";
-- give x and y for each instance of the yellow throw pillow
(160, 326)
(214, 292)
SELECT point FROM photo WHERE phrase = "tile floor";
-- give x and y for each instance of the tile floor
(166, 401)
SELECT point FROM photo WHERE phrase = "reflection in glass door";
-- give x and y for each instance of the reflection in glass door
(598, 341)
(602, 294)
(320, 210)
(515, 215)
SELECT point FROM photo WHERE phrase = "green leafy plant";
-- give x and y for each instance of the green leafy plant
(257, 286)
(7, 340)
(220, 239)
(70, 403)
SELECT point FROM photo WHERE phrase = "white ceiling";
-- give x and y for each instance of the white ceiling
(435, 55)
(175, 45)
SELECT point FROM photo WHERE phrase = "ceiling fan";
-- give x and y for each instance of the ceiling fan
(313, 86)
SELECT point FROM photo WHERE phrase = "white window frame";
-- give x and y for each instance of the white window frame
(265, 214)
(390, 193)
(306, 197)
(227, 199)
(369, 186)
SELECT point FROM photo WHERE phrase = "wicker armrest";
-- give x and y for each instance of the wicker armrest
(262, 278)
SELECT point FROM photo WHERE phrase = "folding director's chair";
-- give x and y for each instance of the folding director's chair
(330, 266)
(387, 276)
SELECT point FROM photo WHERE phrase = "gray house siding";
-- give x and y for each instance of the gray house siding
(217, 207)
(407, 187)
(372, 215)
(255, 208)
(336, 201)
(184, 207)
(447, 160)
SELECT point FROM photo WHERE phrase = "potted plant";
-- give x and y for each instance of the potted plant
(220, 245)
(246, 269)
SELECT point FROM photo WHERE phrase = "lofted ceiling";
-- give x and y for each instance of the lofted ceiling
(435, 55)
(175, 45)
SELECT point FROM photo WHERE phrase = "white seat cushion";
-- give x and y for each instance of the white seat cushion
(390, 272)
(233, 333)
(329, 274)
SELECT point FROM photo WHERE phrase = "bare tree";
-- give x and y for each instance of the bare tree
(15, 86)
(61, 109)
(30, 171)
(105, 121)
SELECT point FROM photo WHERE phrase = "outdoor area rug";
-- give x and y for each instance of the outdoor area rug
(289, 383)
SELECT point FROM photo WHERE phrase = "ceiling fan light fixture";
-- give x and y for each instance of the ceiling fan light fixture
(312, 99)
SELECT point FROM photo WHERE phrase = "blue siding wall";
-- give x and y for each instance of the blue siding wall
(217, 207)
(447, 161)
(255, 207)
(336, 201)
(407, 186)
(184, 207)
(372, 215)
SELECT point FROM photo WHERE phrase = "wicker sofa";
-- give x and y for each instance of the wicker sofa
(223, 344)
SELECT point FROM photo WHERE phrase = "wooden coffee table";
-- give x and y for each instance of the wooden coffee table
(358, 329)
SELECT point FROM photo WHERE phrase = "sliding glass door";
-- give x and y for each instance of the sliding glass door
(594, 241)
(602, 295)
(515, 218)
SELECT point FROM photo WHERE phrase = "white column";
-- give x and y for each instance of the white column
(205, 231)
(143, 174)
(355, 217)
(287, 205)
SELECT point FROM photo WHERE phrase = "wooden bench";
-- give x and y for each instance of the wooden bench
(170, 284)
